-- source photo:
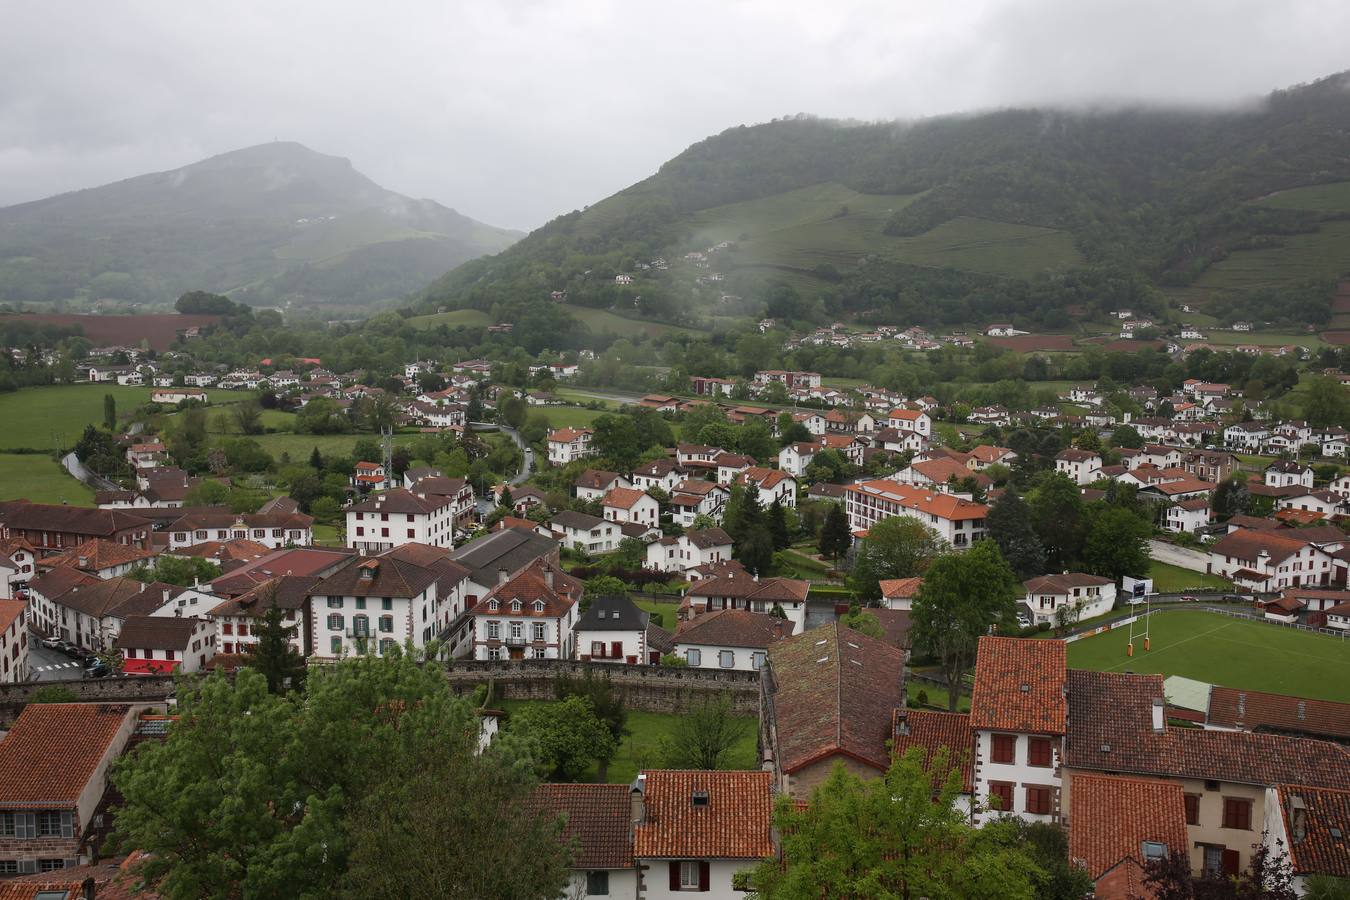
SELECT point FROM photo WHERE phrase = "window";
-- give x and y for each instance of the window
(598, 649)
(517, 631)
(694, 657)
(494, 631)
(335, 645)
(1001, 796)
(597, 884)
(335, 603)
(726, 658)
(335, 622)
(7, 824)
(757, 660)
(55, 824)
(1213, 859)
(539, 653)
(1237, 813)
(690, 872)
(9, 867)
(227, 628)
(387, 624)
(130, 652)
(1038, 801)
(50, 865)
(537, 631)
(1039, 752)
(1004, 748)
(1152, 850)
(361, 626)
(494, 653)
(1192, 809)
(412, 533)
(386, 603)
(386, 644)
(360, 602)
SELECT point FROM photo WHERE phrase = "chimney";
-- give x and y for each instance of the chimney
(501, 576)
(87, 889)
(637, 800)
(1159, 719)
(902, 722)
(166, 595)
(548, 578)
(84, 562)
(1298, 819)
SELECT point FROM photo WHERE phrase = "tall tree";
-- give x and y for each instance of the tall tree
(898, 836)
(1009, 525)
(109, 412)
(778, 527)
(705, 734)
(962, 595)
(248, 416)
(1325, 402)
(898, 547)
(616, 439)
(835, 536)
(569, 736)
(1117, 542)
(1057, 512)
(274, 655)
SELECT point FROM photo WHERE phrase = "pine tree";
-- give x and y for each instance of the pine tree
(778, 527)
(1009, 525)
(273, 655)
(835, 536)
(505, 500)
(109, 412)
(316, 460)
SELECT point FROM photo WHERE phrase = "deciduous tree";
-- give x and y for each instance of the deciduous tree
(898, 547)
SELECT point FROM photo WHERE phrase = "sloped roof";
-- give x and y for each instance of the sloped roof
(400, 500)
(94, 555)
(286, 591)
(733, 628)
(119, 597)
(54, 749)
(1319, 851)
(1257, 710)
(365, 576)
(1063, 584)
(935, 731)
(1246, 543)
(735, 823)
(623, 498)
(598, 821)
(900, 588)
(1111, 817)
(511, 549)
(945, 506)
(157, 632)
(26, 516)
(1019, 686)
(613, 614)
(834, 691)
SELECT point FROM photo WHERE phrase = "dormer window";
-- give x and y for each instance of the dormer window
(700, 799)
(493, 605)
(515, 606)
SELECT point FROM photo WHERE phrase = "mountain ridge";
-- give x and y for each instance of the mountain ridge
(241, 222)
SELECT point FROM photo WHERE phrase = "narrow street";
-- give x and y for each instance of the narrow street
(50, 665)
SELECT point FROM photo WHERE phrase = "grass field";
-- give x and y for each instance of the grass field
(640, 748)
(569, 416)
(583, 398)
(452, 319)
(1168, 579)
(601, 321)
(40, 417)
(1324, 253)
(667, 611)
(41, 479)
(1333, 197)
(1225, 651)
(299, 446)
(1264, 338)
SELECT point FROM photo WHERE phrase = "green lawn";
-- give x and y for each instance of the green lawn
(640, 748)
(791, 564)
(41, 479)
(44, 417)
(1333, 197)
(299, 446)
(936, 696)
(1168, 579)
(453, 318)
(568, 416)
(600, 321)
(326, 535)
(576, 396)
(667, 611)
(1231, 652)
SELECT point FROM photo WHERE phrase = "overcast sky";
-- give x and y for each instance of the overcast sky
(514, 112)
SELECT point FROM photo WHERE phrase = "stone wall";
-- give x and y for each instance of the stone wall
(661, 689)
(131, 689)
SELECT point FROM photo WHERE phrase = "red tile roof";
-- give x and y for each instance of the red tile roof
(10, 611)
(567, 435)
(734, 824)
(733, 628)
(599, 820)
(1318, 851)
(1019, 686)
(945, 506)
(934, 731)
(900, 588)
(623, 498)
(1111, 816)
(1257, 710)
(834, 691)
(93, 555)
(54, 749)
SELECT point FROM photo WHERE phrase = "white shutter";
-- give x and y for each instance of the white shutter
(68, 824)
(27, 866)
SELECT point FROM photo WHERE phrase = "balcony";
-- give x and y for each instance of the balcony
(518, 641)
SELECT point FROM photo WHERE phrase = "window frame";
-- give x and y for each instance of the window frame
(693, 656)
(1032, 792)
(1035, 744)
(998, 740)
(687, 866)
(1233, 804)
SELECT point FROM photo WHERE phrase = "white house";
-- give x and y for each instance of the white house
(599, 824)
(1250, 436)
(695, 549)
(1285, 474)
(237, 619)
(1338, 616)
(1325, 502)
(1269, 560)
(13, 641)
(273, 530)
(694, 831)
(958, 521)
(1018, 714)
(593, 484)
(568, 444)
(1087, 595)
(399, 516)
(659, 473)
(532, 614)
(578, 531)
(795, 457)
(915, 420)
(631, 505)
(773, 484)
(175, 396)
(1187, 515)
(1080, 465)
(154, 645)
(729, 639)
(693, 498)
(614, 630)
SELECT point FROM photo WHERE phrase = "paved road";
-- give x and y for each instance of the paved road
(50, 665)
(1178, 556)
(484, 504)
(94, 480)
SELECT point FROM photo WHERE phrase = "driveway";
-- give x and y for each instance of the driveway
(485, 504)
(1178, 556)
(50, 665)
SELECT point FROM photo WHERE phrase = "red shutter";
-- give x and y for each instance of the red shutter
(704, 876)
(616, 649)
(1231, 866)
(674, 874)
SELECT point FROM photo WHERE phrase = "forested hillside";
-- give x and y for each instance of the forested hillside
(1032, 214)
(268, 224)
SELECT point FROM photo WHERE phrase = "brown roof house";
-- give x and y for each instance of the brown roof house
(599, 824)
(734, 639)
(829, 695)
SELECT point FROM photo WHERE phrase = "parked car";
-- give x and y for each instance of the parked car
(70, 650)
(1234, 598)
(97, 669)
(1187, 598)
(1023, 620)
(52, 643)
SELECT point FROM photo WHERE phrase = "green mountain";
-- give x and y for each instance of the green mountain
(268, 224)
(1036, 215)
